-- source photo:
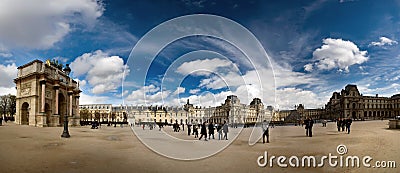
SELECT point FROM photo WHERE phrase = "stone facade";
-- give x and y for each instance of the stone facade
(45, 94)
(231, 111)
(350, 103)
(103, 111)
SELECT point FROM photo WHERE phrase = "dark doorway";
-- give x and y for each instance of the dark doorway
(25, 114)
(62, 108)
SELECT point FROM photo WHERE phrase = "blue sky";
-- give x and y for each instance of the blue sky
(313, 48)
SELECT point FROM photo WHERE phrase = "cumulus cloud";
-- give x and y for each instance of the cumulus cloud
(308, 67)
(337, 53)
(102, 71)
(90, 99)
(8, 74)
(288, 97)
(6, 91)
(179, 90)
(383, 41)
(147, 95)
(40, 24)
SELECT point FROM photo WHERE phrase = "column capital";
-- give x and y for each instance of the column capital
(70, 92)
(43, 81)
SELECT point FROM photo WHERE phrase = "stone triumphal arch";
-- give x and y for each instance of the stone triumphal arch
(45, 94)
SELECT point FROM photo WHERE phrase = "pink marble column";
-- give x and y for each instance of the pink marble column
(57, 92)
(77, 106)
(43, 96)
(70, 105)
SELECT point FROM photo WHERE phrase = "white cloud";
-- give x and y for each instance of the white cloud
(4, 52)
(205, 99)
(103, 72)
(288, 97)
(42, 23)
(5, 91)
(194, 91)
(8, 74)
(383, 41)
(337, 53)
(179, 90)
(203, 67)
(147, 95)
(89, 99)
(308, 67)
(385, 91)
(82, 83)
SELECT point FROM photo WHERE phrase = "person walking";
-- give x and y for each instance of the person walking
(203, 131)
(225, 130)
(265, 127)
(309, 125)
(306, 126)
(195, 132)
(343, 124)
(189, 128)
(210, 130)
(219, 130)
(338, 124)
(348, 124)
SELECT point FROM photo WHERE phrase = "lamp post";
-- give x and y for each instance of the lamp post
(65, 133)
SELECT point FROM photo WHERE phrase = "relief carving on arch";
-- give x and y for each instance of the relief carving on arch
(26, 89)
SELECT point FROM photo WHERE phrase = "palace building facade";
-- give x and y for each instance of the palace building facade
(45, 94)
(350, 103)
(231, 111)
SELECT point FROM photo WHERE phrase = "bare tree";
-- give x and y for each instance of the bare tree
(7, 105)
(12, 102)
(3, 104)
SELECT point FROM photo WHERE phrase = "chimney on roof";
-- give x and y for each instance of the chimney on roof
(376, 95)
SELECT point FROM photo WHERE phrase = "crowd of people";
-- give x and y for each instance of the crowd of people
(208, 129)
(344, 123)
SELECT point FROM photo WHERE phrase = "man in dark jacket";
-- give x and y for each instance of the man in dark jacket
(309, 125)
(348, 124)
(203, 131)
(305, 122)
(210, 130)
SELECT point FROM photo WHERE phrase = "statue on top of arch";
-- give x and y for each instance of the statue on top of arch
(55, 63)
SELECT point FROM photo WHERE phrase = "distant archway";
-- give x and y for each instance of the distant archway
(25, 114)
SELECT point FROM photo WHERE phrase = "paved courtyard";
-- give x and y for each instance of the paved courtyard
(116, 149)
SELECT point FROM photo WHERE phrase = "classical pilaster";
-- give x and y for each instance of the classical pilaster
(43, 97)
(70, 104)
(56, 99)
(77, 106)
